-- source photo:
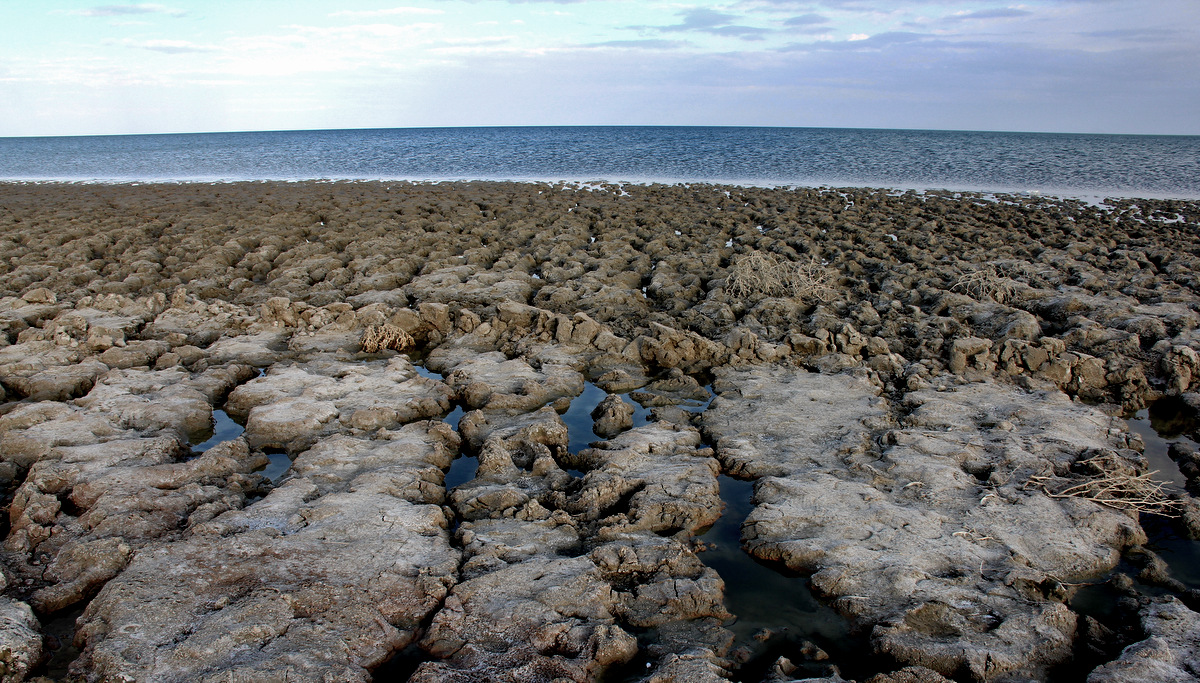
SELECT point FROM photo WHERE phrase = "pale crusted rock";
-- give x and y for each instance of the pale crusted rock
(671, 348)
(542, 619)
(435, 319)
(150, 401)
(676, 389)
(970, 352)
(61, 383)
(97, 329)
(259, 350)
(134, 353)
(280, 310)
(79, 569)
(292, 406)
(533, 530)
(656, 478)
(910, 674)
(463, 284)
(17, 315)
(20, 640)
(40, 295)
(293, 423)
(497, 384)
(25, 360)
(387, 463)
(84, 509)
(541, 426)
(935, 539)
(663, 582)
(621, 380)
(1170, 653)
(109, 467)
(518, 464)
(1181, 364)
(30, 431)
(612, 416)
(777, 421)
(196, 323)
(520, 517)
(323, 579)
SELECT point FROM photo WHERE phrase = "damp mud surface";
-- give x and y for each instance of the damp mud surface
(560, 432)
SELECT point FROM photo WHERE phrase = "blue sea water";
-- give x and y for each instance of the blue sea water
(1050, 163)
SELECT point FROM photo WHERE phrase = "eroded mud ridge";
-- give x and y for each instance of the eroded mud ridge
(927, 390)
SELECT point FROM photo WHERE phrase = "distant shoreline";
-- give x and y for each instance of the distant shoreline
(1068, 165)
(985, 194)
(587, 126)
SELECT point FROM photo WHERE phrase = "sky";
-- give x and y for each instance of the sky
(1085, 66)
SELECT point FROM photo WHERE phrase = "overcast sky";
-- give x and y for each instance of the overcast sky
(1108, 66)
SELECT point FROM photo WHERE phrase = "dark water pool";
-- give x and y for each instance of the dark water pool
(776, 612)
(1152, 432)
(427, 373)
(461, 471)
(578, 417)
(1166, 422)
(223, 429)
(278, 465)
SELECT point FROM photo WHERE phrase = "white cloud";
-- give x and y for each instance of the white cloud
(985, 14)
(173, 47)
(326, 49)
(1045, 65)
(394, 11)
(124, 10)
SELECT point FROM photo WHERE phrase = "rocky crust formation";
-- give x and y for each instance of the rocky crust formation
(930, 533)
(925, 388)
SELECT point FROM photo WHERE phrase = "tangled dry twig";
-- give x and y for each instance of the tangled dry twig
(765, 274)
(1114, 488)
(986, 283)
(379, 337)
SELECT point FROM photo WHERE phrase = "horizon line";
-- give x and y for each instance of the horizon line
(532, 126)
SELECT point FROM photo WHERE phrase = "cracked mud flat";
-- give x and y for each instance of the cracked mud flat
(208, 479)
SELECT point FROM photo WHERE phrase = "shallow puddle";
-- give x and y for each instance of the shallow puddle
(578, 418)
(461, 471)
(1156, 451)
(427, 373)
(641, 414)
(1160, 426)
(223, 429)
(776, 612)
(463, 468)
(278, 465)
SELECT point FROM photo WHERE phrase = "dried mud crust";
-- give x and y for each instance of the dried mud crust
(929, 533)
(893, 404)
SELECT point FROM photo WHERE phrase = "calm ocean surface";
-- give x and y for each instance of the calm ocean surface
(1074, 165)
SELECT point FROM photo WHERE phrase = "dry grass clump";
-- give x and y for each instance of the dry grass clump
(1114, 486)
(986, 282)
(379, 337)
(765, 274)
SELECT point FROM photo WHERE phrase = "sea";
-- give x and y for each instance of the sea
(1074, 165)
